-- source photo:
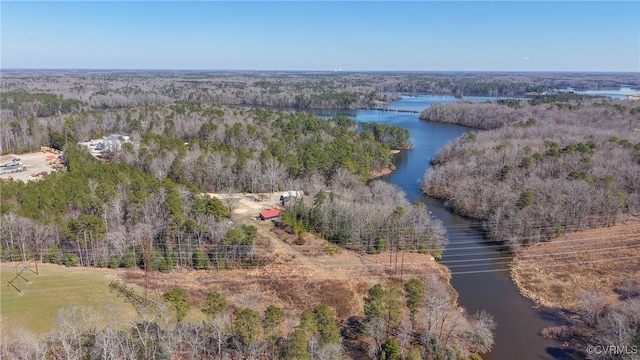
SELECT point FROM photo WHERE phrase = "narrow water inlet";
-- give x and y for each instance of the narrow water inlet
(480, 271)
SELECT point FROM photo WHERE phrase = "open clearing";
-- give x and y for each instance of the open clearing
(246, 207)
(554, 273)
(35, 162)
(54, 287)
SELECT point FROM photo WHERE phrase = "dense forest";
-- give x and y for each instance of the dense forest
(371, 218)
(191, 141)
(99, 214)
(28, 97)
(547, 167)
(178, 151)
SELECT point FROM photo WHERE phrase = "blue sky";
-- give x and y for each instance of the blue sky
(297, 35)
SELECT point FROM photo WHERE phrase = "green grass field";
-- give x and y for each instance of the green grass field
(54, 287)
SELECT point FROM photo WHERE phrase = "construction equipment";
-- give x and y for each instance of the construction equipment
(46, 149)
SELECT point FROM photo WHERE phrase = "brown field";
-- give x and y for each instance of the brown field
(245, 207)
(554, 273)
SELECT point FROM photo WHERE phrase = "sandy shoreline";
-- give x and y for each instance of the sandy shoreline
(379, 173)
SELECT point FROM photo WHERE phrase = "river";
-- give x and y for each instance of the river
(480, 271)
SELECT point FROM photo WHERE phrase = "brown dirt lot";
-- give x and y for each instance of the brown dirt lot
(382, 172)
(554, 273)
(35, 162)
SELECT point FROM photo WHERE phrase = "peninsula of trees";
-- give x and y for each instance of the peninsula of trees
(192, 148)
(545, 168)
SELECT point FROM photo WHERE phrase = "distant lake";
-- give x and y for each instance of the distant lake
(614, 94)
(421, 102)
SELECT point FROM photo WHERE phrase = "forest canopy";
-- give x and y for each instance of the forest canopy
(98, 214)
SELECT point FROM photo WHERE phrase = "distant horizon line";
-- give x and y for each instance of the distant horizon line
(321, 71)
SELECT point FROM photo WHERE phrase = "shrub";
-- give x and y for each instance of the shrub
(114, 262)
(331, 249)
(379, 246)
(129, 259)
(391, 350)
(54, 256)
(300, 240)
(70, 260)
(557, 332)
(177, 299)
(200, 260)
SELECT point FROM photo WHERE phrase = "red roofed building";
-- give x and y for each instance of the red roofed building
(269, 214)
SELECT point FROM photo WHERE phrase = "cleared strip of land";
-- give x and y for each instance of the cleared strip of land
(293, 277)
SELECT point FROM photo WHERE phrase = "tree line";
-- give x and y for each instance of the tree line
(99, 214)
(31, 105)
(114, 89)
(195, 142)
(416, 319)
(370, 219)
(227, 332)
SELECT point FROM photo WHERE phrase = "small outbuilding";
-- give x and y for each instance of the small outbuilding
(270, 214)
(290, 195)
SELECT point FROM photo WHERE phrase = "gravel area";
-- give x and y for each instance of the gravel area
(35, 163)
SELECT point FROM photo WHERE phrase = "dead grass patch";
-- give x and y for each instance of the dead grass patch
(554, 273)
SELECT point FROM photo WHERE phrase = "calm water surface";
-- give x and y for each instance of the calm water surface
(479, 271)
(615, 94)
